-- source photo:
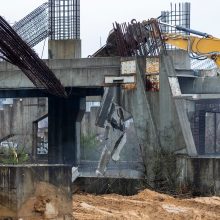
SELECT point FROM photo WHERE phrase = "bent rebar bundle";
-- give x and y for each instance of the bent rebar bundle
(14, 50)
(139, 39)
(134, 39)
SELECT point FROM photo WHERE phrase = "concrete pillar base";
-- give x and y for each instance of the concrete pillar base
(35, 192)
(64, 49)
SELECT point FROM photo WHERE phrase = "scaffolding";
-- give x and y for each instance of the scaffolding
(64, 19)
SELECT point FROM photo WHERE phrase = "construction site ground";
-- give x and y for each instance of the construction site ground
(49, 202)
(145, 205)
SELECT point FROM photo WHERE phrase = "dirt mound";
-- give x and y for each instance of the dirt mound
(47, 202)
(145, 205)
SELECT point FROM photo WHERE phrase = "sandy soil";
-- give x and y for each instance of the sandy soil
(146, 205)
(48, 202)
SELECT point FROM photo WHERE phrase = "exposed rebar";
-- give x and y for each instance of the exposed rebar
(14, 50)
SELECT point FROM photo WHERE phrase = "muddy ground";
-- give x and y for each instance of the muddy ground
(146, 205)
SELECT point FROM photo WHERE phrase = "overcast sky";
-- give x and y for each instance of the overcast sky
(97, 16)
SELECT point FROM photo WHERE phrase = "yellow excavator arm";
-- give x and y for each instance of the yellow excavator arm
(208, 47)
(201, 44)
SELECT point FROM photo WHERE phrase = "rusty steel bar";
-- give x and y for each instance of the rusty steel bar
(14, 50)
(134, 39)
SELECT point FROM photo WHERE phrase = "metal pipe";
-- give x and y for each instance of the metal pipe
(188, 30)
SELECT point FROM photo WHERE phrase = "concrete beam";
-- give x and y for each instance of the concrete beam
(198, 82)
(207, 85)
(87, 73)
(30, 93)
(198, 96)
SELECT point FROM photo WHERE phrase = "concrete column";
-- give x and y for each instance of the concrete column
(64, 49)
(63, 116)
(67, 112)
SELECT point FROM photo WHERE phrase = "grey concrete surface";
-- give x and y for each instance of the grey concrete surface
(181, 59)
(137, 104)
(199, 174)
(161, 120)
(207, 85)
(17, 120)
(167, 68)
(121, 169)
(64, 49)
(171, 136)
(87, 72)
(194, 82)
(92, 144)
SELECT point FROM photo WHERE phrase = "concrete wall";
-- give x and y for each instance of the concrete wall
(17, 120)
(181, 59)
(199, 175)
(137, 103)
(156, 121)
(88, 126)
(130, 152)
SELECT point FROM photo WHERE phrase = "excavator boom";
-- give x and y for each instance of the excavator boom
(208, 47)
(203, 46)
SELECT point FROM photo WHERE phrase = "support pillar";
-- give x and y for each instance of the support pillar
(64, 49)
(63, 116)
